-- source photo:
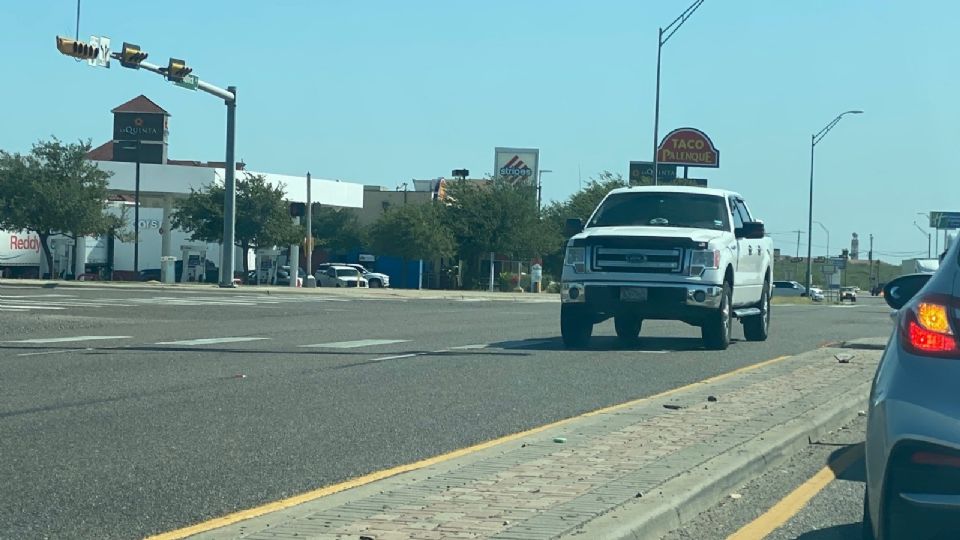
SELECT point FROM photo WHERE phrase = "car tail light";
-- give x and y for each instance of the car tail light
(927, 327)
(935, 458)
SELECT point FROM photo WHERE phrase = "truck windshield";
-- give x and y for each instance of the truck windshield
(662, 210)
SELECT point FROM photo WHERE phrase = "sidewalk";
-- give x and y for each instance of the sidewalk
(636, 470)
(423, 294)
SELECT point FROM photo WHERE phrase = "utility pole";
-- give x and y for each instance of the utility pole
(870, 259)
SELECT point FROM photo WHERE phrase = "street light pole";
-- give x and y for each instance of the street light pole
(822, 226)
(540, 188)
(814, 139)
(230, 194)
(309, 253)
(928, 235)
(670, 30)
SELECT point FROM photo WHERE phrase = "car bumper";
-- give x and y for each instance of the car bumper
(689, 295)
(913, 436)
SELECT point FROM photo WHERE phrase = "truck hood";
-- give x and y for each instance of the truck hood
(697, 235)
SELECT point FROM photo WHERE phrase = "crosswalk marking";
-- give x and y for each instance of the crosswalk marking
(72, 339)
(355, 344)
(211, 341)
(59, 302)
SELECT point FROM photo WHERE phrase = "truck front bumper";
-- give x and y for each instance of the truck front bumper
(605, 294)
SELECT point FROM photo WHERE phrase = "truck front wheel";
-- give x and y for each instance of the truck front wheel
(576, 326)
(716, 329)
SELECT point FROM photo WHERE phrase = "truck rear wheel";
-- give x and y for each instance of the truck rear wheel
(576, 326)
(628, 328)
(716, 329)
(757, 327)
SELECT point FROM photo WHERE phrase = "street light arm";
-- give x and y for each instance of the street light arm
(678, 22)
(823, 132)
(919, 228)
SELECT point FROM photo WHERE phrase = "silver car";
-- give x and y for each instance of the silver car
(913, 428)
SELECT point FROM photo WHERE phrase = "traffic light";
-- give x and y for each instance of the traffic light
(131, 56)
(298, 209)
(176, 70)
(77, 49)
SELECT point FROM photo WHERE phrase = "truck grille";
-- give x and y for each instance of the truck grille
(638, 255)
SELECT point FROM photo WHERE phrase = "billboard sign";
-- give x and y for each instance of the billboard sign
(945, 220)
(688, 147)
(641, 173)
(139, 126)
(517, 165)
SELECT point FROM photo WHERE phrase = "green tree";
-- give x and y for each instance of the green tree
(412, 231)
(52, 190)
(263, 215)
(337, 229)
(495, 217)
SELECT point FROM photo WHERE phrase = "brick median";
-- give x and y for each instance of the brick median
(541, 489)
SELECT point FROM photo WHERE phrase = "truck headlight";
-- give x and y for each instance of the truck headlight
(576, 257)
(700, 260)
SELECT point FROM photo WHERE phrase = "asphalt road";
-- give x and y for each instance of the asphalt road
(161, 409)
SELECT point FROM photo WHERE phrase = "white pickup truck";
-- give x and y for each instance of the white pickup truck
(689, 254)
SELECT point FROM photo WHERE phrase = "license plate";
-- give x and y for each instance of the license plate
(633, 294)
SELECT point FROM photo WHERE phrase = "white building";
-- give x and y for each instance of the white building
(161, 184)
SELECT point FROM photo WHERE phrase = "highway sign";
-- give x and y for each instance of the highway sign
(839, 263)
(190, 82)
(828, 269)
(103, 45)
(945, 220)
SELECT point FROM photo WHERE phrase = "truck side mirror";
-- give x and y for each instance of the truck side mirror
(573, 226)
(751, 230)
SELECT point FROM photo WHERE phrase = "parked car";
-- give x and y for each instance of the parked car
(374, 279)
(912, 442)
(816, 294)
(848, 293)
(788, 288)
(333, 275)
(283, 276)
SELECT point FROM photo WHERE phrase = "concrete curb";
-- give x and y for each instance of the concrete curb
(683, 498)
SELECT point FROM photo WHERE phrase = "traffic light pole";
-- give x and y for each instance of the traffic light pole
(229, 97)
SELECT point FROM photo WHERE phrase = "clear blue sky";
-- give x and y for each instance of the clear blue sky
(380, 92)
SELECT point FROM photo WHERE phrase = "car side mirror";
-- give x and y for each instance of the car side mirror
(902, 289)
(573, 226)
(751, 230)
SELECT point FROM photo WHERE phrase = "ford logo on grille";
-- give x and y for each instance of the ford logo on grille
(636, 258)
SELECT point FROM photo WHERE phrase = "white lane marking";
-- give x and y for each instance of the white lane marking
(355, 344)
(37, 296)
(68, 339)
(211, 341)
(470, 347)
(42, 353)
(17, 305)
(15, 310)
(397, 357)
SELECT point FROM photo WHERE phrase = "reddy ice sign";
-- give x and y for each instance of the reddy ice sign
(19, 249)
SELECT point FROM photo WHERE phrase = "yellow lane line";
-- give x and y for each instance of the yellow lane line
(790, 505)
(282, 504)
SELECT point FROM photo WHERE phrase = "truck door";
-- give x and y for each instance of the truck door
(739, 251)
(751, 259)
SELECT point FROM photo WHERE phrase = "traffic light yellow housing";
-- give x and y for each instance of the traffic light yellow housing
(177, 69)
(131, 56)
(77, 49)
